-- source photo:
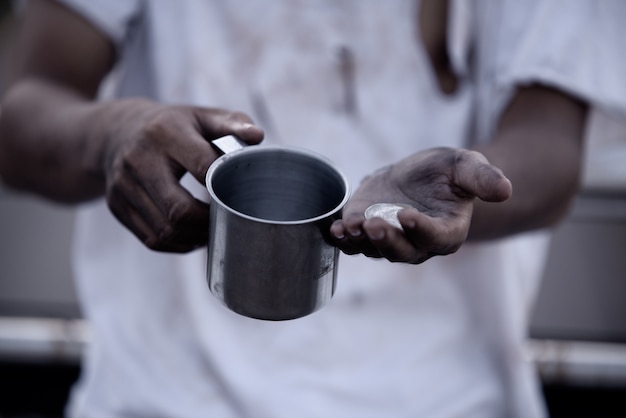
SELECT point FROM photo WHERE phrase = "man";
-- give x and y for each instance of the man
(113, 103)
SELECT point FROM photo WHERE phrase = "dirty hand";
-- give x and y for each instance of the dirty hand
(440, 185)
(146, 153)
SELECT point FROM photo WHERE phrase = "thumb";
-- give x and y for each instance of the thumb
(477, 177)
(215, 123)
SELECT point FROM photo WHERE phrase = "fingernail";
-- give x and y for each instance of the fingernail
(355, 233)
(377, 234)
(339, 236)
(251, 126)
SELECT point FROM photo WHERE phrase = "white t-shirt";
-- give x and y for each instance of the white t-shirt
(441, 339)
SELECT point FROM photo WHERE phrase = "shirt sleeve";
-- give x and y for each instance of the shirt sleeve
(575, 45)
(112, 17)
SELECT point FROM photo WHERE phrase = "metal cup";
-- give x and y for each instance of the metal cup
(271, 209)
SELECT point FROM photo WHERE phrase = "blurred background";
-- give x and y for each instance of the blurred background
(578, 326)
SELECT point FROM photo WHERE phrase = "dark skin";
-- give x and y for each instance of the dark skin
(55, 140)
(441, 184)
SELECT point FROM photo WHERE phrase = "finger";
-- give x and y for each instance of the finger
(180, 241)
(477, 177)
(128, 216)
(183, 219)
(215, 123)
(337, 230)
(391, 243)
(183, 134)
(191, 232)
(186, 219)
(352, 222)
(359, 240)
(130, 190)
(196, 156)
(162, 214)
(349, 245)
(434, 235)
(157, 194)
(175, 135)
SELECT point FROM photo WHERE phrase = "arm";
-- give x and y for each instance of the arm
(58, 65)
(538, 144)
(55, 140)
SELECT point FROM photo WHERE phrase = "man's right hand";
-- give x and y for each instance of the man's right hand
(147, 152)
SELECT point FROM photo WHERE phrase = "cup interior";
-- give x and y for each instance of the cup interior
(281, 185)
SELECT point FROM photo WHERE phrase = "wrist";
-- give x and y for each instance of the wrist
(108, 126)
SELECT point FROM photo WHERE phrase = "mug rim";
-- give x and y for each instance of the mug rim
(269, 148)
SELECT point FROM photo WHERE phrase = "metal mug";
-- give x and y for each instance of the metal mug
(271, 209)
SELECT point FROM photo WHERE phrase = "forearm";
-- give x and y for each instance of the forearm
(46, 145)
(47, 124)
(539, 147)
(543, 188)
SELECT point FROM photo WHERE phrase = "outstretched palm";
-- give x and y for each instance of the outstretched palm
(440, 185)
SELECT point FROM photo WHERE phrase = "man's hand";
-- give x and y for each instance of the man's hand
(147, 152)
(440, 184)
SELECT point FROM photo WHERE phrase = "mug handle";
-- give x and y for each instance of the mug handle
(227, 144)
